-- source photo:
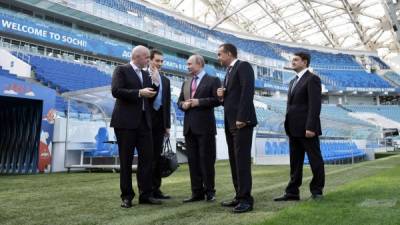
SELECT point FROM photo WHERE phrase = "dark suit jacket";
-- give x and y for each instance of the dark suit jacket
(239, 95)
(304, 106)
(201, 119)
(128, 106)
(166, 101)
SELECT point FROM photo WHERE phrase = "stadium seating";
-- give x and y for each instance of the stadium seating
(78, 111)
(332, 151)
(336, 122)
(324, 60)
(255, 47)
(219, 116)
(341, 68)
(6, 73)
(389, 111)
(67, 76)
(355, 78)
(103, 148)
(351, 73)
(393, 76)
(141, 11)
(338, 114)
(252, 46)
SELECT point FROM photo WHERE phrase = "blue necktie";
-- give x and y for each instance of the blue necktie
(158, 101)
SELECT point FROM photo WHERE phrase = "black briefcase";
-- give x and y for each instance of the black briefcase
(168, 159)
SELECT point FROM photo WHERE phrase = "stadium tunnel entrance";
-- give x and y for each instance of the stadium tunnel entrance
(21, 120)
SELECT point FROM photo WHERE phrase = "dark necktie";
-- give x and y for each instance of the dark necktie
(228, 73)
(294, 84)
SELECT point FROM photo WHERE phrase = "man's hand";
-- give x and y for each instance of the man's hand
(194, 102)
(240, 124)
(186, 105)
(310, 134)
(147, 92)
(155, 76)
(167, 132)
(220, 93)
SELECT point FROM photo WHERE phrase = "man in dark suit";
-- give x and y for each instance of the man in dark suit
(198, 99)
(303, 126)
(161, 118)
(240, 119)
(134, 91)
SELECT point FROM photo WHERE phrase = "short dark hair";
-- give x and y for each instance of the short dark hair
(228, 47)
(304, 56)
(154, 52)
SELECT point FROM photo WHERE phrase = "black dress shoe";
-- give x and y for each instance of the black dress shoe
(193, 199)
(160, 195)
(287, 197)
(230, 203)
(150, 201)
(126, 203)
(242, 208)
(210, 198)
(317, 197)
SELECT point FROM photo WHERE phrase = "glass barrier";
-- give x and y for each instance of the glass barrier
(341, 143)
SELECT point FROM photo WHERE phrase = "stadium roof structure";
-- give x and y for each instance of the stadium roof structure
(369, 25)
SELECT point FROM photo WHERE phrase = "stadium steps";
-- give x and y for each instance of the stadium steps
(344, 108)
(391, 76)
(375, 119)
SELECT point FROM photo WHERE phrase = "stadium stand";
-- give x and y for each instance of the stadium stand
(103, 146)
(358, 78)
(393, 76)
(389, 111)
(382, 65)
(65, 76)
(332, 151)
(343, 69)
(6, 73)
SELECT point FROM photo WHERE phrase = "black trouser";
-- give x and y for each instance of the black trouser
(158, 131)
(298, 147)
(201, 158)
(128, 140)
(239, 148)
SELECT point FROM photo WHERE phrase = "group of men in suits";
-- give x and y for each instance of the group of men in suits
(141, 120)
(199, 95)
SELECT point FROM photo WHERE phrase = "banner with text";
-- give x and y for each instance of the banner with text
(52, 33)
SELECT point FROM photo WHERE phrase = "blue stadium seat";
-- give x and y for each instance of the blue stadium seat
(355, 78)
(103, 149)
(67, 76)
(6, 73)
(332, 151)
(389, 111)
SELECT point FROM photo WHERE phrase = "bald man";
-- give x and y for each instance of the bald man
(134, 91)
(198, 99)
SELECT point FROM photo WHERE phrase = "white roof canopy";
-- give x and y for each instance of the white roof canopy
(349, 24)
